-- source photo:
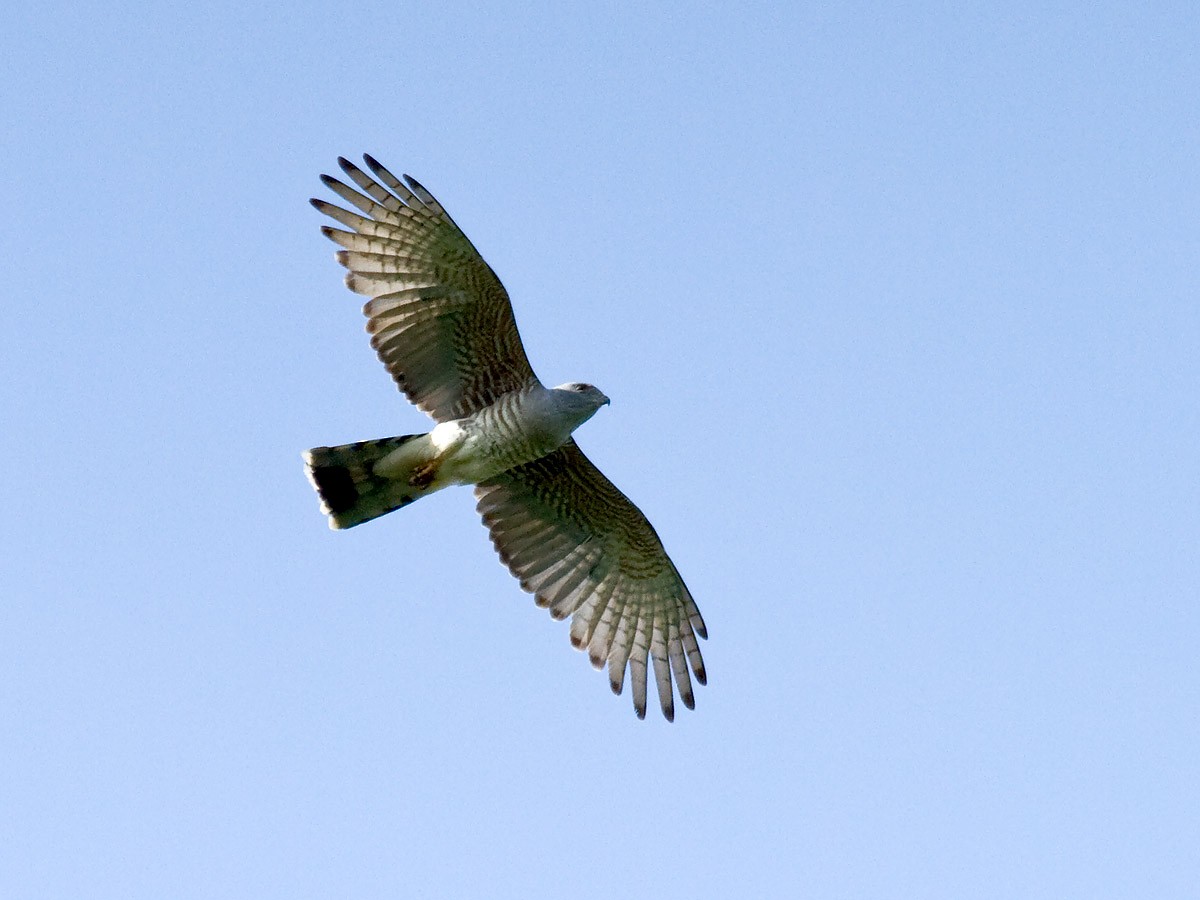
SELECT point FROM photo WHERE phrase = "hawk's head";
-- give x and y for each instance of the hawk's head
(588, 393)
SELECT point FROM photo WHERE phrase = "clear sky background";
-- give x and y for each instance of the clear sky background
(897, 307)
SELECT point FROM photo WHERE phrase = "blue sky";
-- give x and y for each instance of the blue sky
(897, 307)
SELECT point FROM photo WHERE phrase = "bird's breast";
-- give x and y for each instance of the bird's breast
(512, 431)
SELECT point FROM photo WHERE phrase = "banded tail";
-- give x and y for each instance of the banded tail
(351, 489)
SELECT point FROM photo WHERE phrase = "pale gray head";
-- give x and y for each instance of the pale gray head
(580, 400)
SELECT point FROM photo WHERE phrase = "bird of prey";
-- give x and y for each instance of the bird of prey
(442, 324)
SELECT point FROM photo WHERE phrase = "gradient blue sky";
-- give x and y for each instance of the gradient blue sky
(897, 306)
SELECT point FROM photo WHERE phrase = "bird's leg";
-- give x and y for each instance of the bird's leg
(423, 474)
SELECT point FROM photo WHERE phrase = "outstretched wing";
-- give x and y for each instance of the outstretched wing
(439, 317)
(583, 549)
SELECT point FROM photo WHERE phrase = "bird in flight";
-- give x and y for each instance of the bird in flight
(441, 322)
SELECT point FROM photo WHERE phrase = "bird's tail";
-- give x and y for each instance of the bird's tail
(362, 481)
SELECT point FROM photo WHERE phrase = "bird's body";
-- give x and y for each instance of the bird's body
(517, 428)
(442, 324)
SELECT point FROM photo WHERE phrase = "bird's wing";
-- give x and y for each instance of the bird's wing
(584, 550)
(438, 316)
